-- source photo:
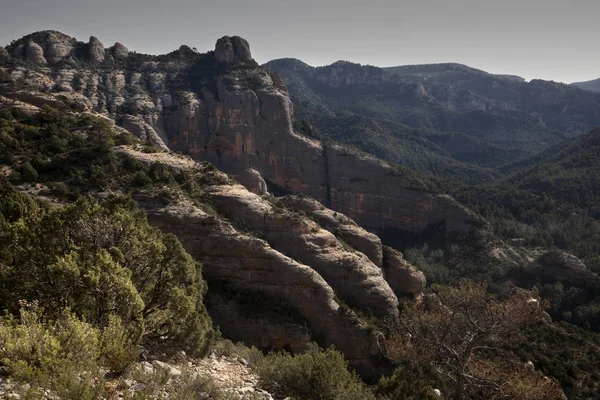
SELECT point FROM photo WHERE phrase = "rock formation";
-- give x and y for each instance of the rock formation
(56, 46)
(232, 50)
(253, 181)
(119, 51)
(241, 118)
(34, 53)
(557, 266)
(401, 276)
(247, 263)
(95, 51)
(338, 224)
(4, 56)
(140, 129)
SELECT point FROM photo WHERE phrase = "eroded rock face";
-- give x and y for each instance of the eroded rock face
(248, 263)
(253, 181)
(351, 274)
(34, 53)
(337, 223)
(95, 51)
(242, 118)
(119, 51)
(559, 266)
(56, 46)
(232, 50)
(140, 129)
(402, 277)
(4, 56)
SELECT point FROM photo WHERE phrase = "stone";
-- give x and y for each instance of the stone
(56, 45)
(402, 277)
(145, 367)
(556, 266)
(4, 56)
(125, 384)
(249, 263)
(236, 129)
(119, 52)
(265, 395)
(143, 131)
(232, 50)
(253, 181)
(343, 227)
(530, 366)
(34, 53)
(95, 51)
(169, 369)
(352, 275)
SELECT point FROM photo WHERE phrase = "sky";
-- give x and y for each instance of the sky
(543, 39)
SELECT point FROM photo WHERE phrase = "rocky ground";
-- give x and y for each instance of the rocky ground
(213, 377)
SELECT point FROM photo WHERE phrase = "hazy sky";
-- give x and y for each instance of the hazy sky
(547, 39)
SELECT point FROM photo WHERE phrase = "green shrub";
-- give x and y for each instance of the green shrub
(405, 385)
(59, 355)
(140, 179)
(101, 261)
(315, 374)
(28, 173)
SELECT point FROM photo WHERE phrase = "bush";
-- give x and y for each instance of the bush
(103, 261)
(59, 355)
(315, 374)
(28, 173)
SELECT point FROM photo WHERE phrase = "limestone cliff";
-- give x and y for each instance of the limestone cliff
(223, 108)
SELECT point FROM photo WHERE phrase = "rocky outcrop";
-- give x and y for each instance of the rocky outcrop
(34, 53)
(253, 129)
(253, 181)
(402, 277)
(258, 326)
(95, 51)
(248, 263)
(351, 274)
(119, 52)
(557, 266)
(56, 46)
(232, 50)
(4, 56)
(241, 118)
(338, 224)
(140, 129)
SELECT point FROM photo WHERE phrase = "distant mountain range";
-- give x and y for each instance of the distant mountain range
(447, 119)
(592, 86)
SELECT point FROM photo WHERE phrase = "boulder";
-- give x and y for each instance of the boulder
(402, 277)
(56, 45)
(34, 53)
(232, 50)
(119, 51)
(564, 261)
(4, 56)
(556, 266)
(95, 51)
(143, 131)
(169, 369)
(253, 181)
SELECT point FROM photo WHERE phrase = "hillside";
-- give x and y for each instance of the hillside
(592, 86)
(277, 238)
(447, 119)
